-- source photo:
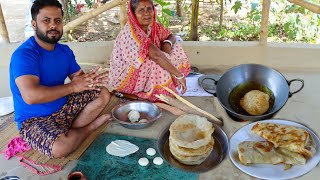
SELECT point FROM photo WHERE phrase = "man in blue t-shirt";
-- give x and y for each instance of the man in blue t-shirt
(54, 118)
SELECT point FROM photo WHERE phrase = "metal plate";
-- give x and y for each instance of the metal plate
(208, 84)
(6, 105)
(270, 171)
(147, 110)
(218, 154)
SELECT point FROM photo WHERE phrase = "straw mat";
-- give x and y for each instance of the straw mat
(8, 130)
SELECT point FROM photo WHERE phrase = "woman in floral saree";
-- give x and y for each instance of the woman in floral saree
(146, 57)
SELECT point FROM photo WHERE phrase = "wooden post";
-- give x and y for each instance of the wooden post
(264, 22)
(91, 14)
(3, 27)
(308, 5)
(64, 5)
(194, 21)
(178, 8)
(123, 14)
(221, 15)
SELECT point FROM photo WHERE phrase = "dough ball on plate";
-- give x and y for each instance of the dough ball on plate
(157, 161)
(134, 116)
(143, 121)
(143, 161)
(151, 151)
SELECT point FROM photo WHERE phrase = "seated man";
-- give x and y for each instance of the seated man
(54, 118)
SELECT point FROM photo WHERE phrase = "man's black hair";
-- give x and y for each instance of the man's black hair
(39, 4)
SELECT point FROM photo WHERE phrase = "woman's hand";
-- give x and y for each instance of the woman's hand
(167, 44)
(166, 47)
(160, 58)
(181, 84)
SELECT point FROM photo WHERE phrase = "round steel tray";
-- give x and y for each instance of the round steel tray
(218, 154)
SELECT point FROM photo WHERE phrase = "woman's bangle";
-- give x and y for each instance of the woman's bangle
(168, 41)
(178, 78)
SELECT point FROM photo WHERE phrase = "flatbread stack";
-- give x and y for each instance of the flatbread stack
(285, 144)
(190, 139)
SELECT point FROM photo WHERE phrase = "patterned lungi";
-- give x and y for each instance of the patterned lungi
(41, 132)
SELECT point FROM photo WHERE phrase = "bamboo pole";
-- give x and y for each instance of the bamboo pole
(220, 122)
(178, 8)
(308, 5)
(264, 22)
(194, 21)
(3, 27)
(221, 15)
(91, 14)
(123, 14)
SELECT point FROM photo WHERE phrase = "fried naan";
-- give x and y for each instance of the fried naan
(190, 139)
(190, 160)
(289, 137)
(191, 131)
(189, 151)
(255, 152)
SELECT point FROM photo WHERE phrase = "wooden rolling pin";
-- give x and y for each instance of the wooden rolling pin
(125, 95)
(204, 113)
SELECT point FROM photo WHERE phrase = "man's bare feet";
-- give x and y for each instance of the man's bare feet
(67, 143)
(98, 122)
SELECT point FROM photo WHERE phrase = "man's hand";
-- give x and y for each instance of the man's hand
(89, 81)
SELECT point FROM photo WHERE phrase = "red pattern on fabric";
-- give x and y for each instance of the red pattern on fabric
(129, 87)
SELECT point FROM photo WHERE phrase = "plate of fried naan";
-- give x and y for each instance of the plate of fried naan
(275, 149)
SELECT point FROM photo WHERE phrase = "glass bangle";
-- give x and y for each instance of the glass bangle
(179, 77)
(168, 41)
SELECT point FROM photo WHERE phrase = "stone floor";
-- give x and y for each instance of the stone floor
(301, 107)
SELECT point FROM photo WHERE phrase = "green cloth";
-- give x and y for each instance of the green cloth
(96, 163)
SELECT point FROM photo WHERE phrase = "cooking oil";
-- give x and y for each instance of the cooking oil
(239, 91)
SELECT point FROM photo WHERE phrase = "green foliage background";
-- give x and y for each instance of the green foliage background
(287, 23)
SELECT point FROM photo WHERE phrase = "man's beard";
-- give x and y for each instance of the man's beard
(44, 37)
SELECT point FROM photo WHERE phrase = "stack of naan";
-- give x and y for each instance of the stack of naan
(190, 139)
(285, 144)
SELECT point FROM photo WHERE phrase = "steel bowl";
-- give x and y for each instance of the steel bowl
(217, 155)
(147, 110)
(256, 73)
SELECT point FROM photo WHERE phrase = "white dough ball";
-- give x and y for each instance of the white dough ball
(143, 121)
(143, 161)
(157, 161)
(134, 116)
(151, 151)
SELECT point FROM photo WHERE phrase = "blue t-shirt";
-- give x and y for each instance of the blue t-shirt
(52, 68)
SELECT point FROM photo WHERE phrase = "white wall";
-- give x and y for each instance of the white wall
(219, 55)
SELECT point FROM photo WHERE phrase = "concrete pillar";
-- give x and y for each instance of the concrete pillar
(3, 27)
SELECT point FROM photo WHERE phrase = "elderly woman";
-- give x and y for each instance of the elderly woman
(146, 57)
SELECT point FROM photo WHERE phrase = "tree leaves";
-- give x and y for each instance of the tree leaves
(237, 6)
